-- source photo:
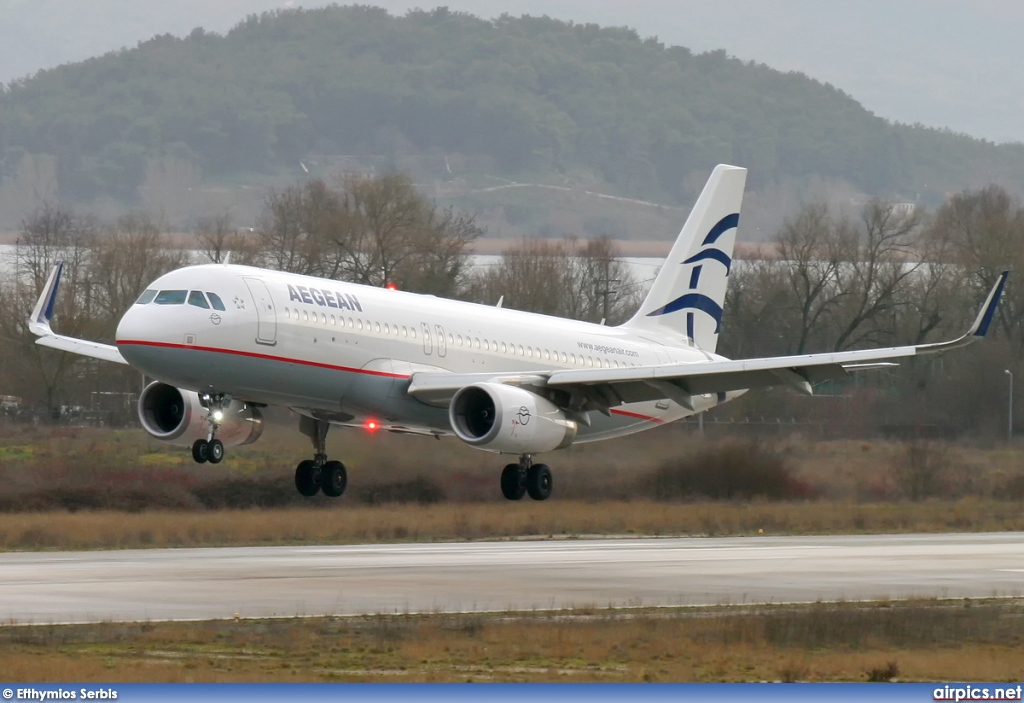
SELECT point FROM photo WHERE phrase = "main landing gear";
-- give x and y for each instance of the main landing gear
(319, 474)
(211, 449)
(526, 477)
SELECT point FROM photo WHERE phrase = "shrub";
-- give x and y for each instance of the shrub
(422, 490)
(919, 469)
(727, 471)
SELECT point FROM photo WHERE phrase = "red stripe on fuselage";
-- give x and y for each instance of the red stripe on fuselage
(254, 355)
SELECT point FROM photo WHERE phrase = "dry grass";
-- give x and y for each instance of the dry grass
(399, 523)
(925, 641)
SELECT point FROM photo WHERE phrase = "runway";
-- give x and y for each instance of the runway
(167, 584)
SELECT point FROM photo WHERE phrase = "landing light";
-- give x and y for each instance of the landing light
(218, 415)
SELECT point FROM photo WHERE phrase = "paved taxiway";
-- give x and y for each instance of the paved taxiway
(480, 576)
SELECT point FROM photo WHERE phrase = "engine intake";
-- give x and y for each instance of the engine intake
(176, 416)
(509, 420)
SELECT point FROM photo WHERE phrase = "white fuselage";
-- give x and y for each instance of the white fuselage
(346, 352)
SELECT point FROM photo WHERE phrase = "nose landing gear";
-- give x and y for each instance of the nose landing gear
(211, 449)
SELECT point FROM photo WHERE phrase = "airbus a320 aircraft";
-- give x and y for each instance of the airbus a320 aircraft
(223, 341)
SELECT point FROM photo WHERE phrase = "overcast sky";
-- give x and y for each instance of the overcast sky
(944, 63)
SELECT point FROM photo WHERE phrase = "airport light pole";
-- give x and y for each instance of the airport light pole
(1009, 412)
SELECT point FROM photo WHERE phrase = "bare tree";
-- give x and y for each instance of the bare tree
(383, 218)
(814, 246)
(217, 238)
(872, 281)
(128, 256)
(564, 278)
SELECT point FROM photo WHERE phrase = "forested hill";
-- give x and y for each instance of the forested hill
(513, 97)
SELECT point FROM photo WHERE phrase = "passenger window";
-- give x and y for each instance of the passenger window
(565, 359)
(197, 298)
(376, 327)
(215, 300)
(504, 348)
(305, 316)
(171, 297)
(146, 297)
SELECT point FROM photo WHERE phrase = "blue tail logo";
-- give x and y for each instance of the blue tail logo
(698, 301)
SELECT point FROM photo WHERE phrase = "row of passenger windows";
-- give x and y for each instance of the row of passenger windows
(456, 340)
(180, 297)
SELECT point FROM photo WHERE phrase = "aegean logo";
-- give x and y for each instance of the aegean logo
(324, 298)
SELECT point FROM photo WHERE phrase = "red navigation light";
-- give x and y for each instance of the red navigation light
(371, 425)
(392, 286)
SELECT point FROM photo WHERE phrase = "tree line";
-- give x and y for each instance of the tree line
(882, 274)
(512, 96)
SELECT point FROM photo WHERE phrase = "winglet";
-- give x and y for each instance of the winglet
(39, 322)
(988, 310)
(981, 324)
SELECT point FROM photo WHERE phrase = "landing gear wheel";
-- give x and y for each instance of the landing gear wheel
(307, 478)
(214, 451)
(538, 482)
(200, 451)
(513, 485)
(333, 479)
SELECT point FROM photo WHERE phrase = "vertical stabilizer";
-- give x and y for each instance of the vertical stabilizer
(685, 302)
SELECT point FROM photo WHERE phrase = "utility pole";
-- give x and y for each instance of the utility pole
(1009, 411)
(606, 290)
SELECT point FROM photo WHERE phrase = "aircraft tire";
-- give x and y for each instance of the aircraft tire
(512, 484)
(306, 479)
(200, 451)
(215, 451)
(539, 482)
(333, 479)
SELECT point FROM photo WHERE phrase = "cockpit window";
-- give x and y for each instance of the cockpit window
(146, 297)
(171, 297)
(215, 301)
(197, 298)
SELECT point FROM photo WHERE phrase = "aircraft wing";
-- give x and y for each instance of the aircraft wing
(39, 325)
(602, 389)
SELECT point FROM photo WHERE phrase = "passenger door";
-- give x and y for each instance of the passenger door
(266, 316)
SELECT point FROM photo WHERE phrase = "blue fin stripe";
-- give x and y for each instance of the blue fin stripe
(696, 301)
(694, 275)
(724, 225)
(715, 254)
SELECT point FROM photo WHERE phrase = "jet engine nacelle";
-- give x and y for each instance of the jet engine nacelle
(509, 420)
(176, 416)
